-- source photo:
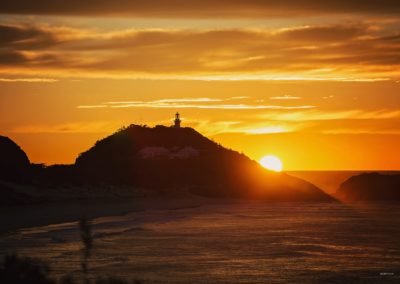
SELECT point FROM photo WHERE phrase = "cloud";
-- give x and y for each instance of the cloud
(183, 100)
(319, 121)
(267, 130)
(318, 115)
(25, 36)
(28, 80)
(73, 127)
(93, 106)
(331, 52)
(240, 97)
(322, 33)
(285, 97)
(11, 57)
(223, 106)
(214, 127)
(181, 104)
(198, 8)
(188, 100)
(199, 103)
(323, 122)
(360, 131)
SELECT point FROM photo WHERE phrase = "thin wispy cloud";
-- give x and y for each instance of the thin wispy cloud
(315, 115)
(267, 130)
(199, 103)
(222, 106)
(72, 127)
(92, 106)
(240, 97)
(184, 100)
(29, 80)
(361, 131)
(286, 97)
(215, 127)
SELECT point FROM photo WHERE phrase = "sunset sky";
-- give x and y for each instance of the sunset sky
(316, 83)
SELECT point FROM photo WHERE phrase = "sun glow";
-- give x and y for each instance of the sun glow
(272, 163)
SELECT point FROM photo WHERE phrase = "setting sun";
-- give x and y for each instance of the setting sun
(272, 163)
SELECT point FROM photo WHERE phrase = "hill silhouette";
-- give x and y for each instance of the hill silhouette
(181, 160)
(143, 161)
(370, 187)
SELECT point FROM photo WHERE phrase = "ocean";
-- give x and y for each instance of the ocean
(229, 242)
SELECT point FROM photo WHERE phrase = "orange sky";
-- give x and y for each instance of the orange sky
(317, 84)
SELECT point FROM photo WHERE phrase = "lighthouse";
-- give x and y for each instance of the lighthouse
(177, 121)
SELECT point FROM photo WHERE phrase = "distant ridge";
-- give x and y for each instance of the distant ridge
(371, 187)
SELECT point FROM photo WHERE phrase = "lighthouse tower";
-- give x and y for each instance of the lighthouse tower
(177, 121)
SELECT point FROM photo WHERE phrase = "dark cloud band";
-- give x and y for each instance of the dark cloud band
(197, 8)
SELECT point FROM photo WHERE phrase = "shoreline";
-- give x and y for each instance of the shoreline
(14, 218)
(19, 217)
